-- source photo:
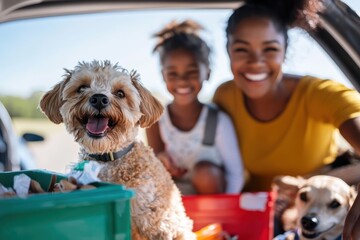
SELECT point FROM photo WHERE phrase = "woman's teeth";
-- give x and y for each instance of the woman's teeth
(256, 76)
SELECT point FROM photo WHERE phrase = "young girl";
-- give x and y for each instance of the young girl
(196, 142)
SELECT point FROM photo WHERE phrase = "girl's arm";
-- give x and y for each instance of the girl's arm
(154, 139)
(227, 143)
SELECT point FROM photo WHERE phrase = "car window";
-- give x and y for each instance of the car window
(355, 5)
(34, 53)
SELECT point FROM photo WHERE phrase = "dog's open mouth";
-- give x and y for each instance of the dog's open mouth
(98, 126)
(311, 234)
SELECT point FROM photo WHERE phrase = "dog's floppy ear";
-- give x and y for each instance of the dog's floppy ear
(150, 107)
(289, 184)
(289, 181)
(51, 102)
(353, 194)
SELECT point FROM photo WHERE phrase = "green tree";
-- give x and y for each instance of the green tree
(20, 107)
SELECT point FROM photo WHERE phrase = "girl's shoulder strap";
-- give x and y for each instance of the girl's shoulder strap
(210, 125)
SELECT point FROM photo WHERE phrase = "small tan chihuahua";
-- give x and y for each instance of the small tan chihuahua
(319, 209)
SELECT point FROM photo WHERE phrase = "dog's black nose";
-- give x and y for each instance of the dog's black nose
(99, 101)
(309, 222)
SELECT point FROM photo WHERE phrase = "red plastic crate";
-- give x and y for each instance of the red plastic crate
(247, 215)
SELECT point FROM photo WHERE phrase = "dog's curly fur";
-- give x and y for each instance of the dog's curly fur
(157, 211)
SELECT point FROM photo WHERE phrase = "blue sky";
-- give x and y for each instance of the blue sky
(34, 52)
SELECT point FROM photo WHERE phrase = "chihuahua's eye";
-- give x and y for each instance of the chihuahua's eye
(334, 204)
(120, 94)
(303, 197)
(82, 88)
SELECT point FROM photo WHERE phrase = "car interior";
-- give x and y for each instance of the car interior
(43, 38)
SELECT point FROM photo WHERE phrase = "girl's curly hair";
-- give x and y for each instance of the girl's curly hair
(183, 35)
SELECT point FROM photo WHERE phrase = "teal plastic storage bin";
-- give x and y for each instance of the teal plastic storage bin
(101, 213)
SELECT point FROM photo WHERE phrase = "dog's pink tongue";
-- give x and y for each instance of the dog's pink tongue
(97, 125)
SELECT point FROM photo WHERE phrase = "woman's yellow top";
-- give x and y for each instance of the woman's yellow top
(301, 140)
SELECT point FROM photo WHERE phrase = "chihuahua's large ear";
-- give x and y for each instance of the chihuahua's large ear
(150, 107)
(51, 102)
(353, 194)
(290, 183)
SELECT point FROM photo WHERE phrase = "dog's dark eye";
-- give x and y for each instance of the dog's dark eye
(120, 94)
(334, 204)
(303, 197)
(82, 88)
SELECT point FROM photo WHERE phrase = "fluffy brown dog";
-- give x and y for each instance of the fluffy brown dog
(104, 106)
(320, 207)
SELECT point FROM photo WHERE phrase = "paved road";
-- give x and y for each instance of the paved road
(56, 153)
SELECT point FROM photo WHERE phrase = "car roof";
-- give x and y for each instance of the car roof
(21, 9)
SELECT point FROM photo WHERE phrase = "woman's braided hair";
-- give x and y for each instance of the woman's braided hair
(284, 14)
